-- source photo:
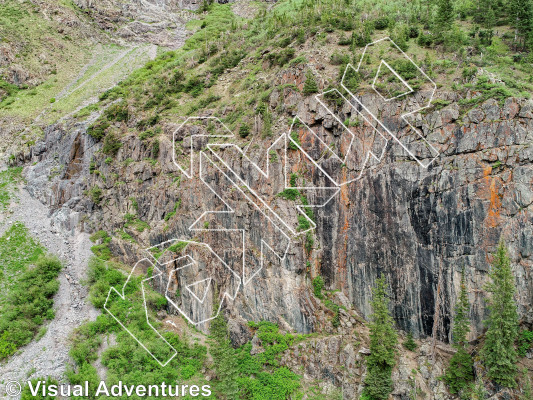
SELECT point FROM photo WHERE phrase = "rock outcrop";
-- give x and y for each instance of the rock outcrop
(417, 227)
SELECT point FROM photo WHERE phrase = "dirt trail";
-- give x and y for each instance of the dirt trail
(49, 356)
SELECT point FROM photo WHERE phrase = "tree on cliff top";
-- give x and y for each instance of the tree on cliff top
(383, 340)
(498, 351)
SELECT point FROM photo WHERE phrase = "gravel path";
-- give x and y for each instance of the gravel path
(49, 356)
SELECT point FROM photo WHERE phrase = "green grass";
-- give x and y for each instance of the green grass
(26, 298)
(8, 180)
(127, 361)
(22, 25)
(17, 251)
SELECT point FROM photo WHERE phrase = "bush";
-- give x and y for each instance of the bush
(310, 85)
(28, 305)
(524, 343)
(111, 144)
(117, 112)
(98, 129)
(318, 285)
(410, 343)
(381, 23)
(95, 193)
(244, 130)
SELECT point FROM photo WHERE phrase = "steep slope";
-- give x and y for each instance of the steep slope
(111, 168)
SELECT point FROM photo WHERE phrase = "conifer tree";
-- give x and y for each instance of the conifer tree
(383, 341)
(310, 85)
(498, 351)
(486, 13)
(460, 371)
(445, 14)
(521, 19)
(224, 360)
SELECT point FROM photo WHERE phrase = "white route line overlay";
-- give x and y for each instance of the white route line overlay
(123, 297)
(281, 224)
(404, 116)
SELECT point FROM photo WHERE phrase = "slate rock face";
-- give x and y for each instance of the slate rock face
(419, 227)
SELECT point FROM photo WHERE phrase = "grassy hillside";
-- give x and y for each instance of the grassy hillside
(231, 65)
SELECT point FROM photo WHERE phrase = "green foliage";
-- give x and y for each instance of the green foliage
(521, 18)
(112, 144)
(474, 391)
(410, 344)
(29, 303)
(98, 129)
(460, 371)
(289, 194)
(303, 223)
(26, 393)
(8, 180)
(310, 85)
(244, 130)
(383, 340)
(178, 247)
(461, 323)
(524, 343)
(102, 249)
(224, 361)
(127, 361)
(281, 57)
(295, 141)
(445, 14)
(95, 193)
(318, 285)
(241, 375)
(131, 220)
(527, 392)
(498, 351)
(117, 112)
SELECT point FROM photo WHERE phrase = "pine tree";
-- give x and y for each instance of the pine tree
(521, 19)
(224, 360)
(461, 325)
(460, 371)
(486, 13)
(498, 351)
(310, 85)
(383, 341)
(410, 344)
(445, 14)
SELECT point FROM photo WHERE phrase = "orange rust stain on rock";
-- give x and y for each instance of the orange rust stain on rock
(345, 193)
(495, 206)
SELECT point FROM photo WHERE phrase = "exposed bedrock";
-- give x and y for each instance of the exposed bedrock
(419, 227)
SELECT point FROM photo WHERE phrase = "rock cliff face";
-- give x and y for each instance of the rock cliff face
(418, 227)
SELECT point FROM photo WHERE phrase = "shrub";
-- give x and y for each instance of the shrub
(117, 112)
(410, 343)
(381, 23)
(26, 392)
(111, 144)
(244, 130)
(29, 304)
(525, 340)
(95, 193)
(310, 85)
(318, 285)
(98, 129)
